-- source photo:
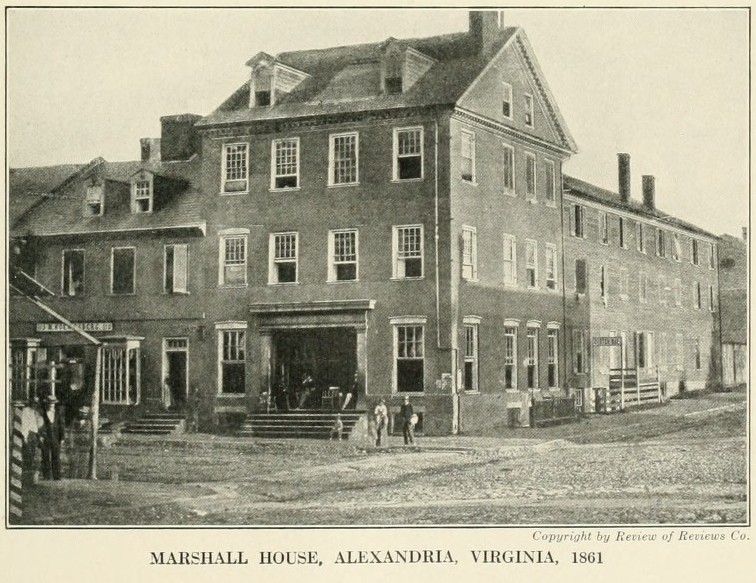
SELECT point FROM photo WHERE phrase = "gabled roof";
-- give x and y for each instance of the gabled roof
(27, 186)
(62, 213)
(581, 189)
(458, 64)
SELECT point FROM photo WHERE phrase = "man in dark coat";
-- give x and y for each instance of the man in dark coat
(50, 438)
(409, 428)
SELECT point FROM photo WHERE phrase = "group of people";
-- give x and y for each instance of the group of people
(286, 399)
(406, 414)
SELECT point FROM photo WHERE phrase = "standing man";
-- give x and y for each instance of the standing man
(351, 397)
(381, 421)
(407, 414)
(51, 437)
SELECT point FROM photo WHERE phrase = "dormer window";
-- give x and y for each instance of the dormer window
(393, 85)
(141, 196)
(262, 97)
(270, 80)
(262, 86)
(95, 200)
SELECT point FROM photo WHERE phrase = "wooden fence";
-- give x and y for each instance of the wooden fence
(552, 411)
(627, 389)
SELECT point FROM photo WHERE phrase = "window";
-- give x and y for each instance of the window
(283, 258)
(581, 276)
(141, 196)
(552, 358)
(235, 162)
(176, 269)
(694, 251)
(662, 290)
(467, 156)
(622, 242)
(408, 153)
(232, 361)
(697, 353)
(393, 85)
(530, 176)
(676, 247)
(531, 263)
(551, 266)
(603, 228)
(508, 170)
(233, 260)
(122, 270)
(578, 351)
(640, 241)
(661, 243)
(506, 100)
(624, 283)
(679, 354)
(578, 221)
(640, 349)
(678, 292)
(285, 162)
(344, 159)
(697, 296)
(342, 254)
(73, 273)
(602, 282)
(469, 253)
(712, 256)
(510, 260)
(510, 357)
(262, 98)
(531, 361)
(528, 110)
(550, 186)
(642, 287)
(471, 357)
(408, 251)
(95, 201)
(712, 302)
(409, 349)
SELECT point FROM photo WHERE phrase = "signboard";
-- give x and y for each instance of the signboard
(607, 341)
(86, 326)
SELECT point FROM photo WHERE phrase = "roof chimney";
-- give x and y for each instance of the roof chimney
(649, 192)
(484, 29)
(150, 149)
(178, 140)
(623, 168)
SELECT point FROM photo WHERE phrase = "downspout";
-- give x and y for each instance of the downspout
(564, 276)
(435, 233)
(719, 314)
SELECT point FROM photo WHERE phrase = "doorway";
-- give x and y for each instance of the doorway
(175, 373)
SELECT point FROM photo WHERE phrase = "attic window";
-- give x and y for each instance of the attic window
(262, 97)
(142, 196)
(393, 85)
(506, 100)
(528, 110)
(94, 201)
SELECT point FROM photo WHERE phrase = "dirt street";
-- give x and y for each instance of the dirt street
(682, 463)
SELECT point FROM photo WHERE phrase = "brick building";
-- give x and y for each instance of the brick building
(391, 210)
(733, 290)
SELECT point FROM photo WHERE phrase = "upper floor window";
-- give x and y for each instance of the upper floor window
(508, 170)
(581, 276)
(343, 255)
(697, 296)
(285, 164)
(640, 241)
(531, 263)
(95, 200)
(235, 168)
(578, 352)
(506, 100)
(712, 299)
(283, 258)
(624, 283)
(712, 255)
(578, 221)
(676, 247)
(471, 357)
(694, 259)
(408, 251)
(551, 266)
(408, 153)
(73, 272)
(661, 243)
(233, 260)
(467, 156)
(122, 275)
(530, 176)
(529, 121)
(662, 290)
(176, 269)
(469, 253)
(141, 195)
(603, 228)
(602, 282)
(697, 353)
(622, 241)
(344, 159)
(510, 260)
(550, 183)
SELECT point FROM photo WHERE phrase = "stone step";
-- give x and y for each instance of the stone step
(147, 431)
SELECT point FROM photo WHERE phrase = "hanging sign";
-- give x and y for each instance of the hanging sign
(86, 326)
(607, 341)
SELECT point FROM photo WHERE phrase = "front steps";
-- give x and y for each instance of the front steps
(298, 424)
(157, 424)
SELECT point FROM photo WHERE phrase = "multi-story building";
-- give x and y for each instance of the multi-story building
(635, 272)
(733, 301)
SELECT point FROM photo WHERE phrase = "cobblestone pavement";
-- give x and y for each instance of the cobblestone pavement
(652, 468)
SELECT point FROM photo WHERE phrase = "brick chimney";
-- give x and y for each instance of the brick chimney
(484, 29)
(150, 149)
(649, 192)
(178, 140)
(623, 171)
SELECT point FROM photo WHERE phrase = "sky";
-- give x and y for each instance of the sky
(670, 87)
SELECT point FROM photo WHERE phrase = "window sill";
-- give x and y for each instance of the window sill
(471, 279)
(231, 395)
(176, 293)
(512, 391)
(470, 182)
(512, 284)
(510, 192)
(396, 393)
(472, 392)
(284, 283)
(604, 243)
(344, 185)
(403, 180)
(232, 285)
(288, 189)
(122, 295)
(407, 278)
(340, 281)
(241, 192)
(551, 204)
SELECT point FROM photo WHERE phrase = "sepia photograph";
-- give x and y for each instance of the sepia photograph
(377, 267)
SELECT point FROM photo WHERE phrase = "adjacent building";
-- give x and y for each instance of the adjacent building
(733, 290)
